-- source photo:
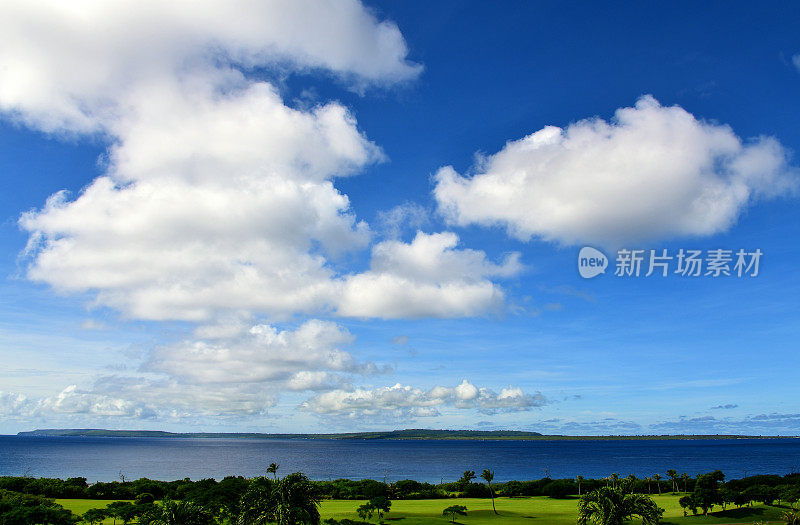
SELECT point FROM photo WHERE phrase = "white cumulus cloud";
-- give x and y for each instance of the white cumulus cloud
(262, 354)
(403, 401)
(652, 172)
(428, 277)
(75, 65)
(218, 198)
(210, 204)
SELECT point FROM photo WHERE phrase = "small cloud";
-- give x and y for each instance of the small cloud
(400, 340)
(407, 216)
(724, 407)
(796, 61)
(91, 324)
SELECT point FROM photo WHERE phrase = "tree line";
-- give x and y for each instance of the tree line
(760, 487)
(267, 499)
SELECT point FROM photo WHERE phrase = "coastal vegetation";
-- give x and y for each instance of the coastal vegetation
(294, 499)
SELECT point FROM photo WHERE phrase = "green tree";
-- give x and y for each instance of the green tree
(657, 478)
(94, 516)
(488, 475)
(122, 510)
(365, 511)
(687, 502)
(614, 479)
(685, 478)
(614, 506)
(673, 476)
(467, 477)
(25, 509)
(453, 511)
(630, 482)
(273, 469)
(382, 505)
(257, 505)
(170, 512)
(298, 500)
(579, 481)
(706, 490)
(291, 500)
(144, 498)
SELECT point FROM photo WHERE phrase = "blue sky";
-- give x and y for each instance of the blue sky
(313, 216)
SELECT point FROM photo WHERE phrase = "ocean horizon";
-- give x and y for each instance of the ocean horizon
(434, 461)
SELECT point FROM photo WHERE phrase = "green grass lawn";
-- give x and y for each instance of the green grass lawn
(79, 506)
(532, 511)
(513, 511)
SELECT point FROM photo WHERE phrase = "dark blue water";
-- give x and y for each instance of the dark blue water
(103, 459)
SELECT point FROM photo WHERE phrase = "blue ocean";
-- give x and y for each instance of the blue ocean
(106, 459)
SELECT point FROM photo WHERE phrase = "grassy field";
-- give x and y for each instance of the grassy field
(513, 511)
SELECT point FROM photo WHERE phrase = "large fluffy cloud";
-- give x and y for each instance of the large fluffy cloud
(217, 202)
(403, 401)
(210, 203)
(427, 277)
(217, 196)
(74, 65)
(653, 172)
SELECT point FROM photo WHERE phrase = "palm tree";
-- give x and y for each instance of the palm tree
(648, 479)
(171, 512)
(579, 480)
(630, 481)
(298, 500)
(292, 500)
(673, 476)
(488, 475)
(612, 506)
(685, 478)
(257, 506)
(614, 479)
(273, 469)
(657, 477)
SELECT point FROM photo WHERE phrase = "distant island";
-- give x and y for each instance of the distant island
(415, 433)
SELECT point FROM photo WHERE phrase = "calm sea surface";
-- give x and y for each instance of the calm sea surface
(103, 459)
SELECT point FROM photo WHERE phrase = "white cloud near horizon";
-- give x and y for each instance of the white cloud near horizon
(305, 357)
(240, 371)
(653, 172)
(403, 401)
(71, 401)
